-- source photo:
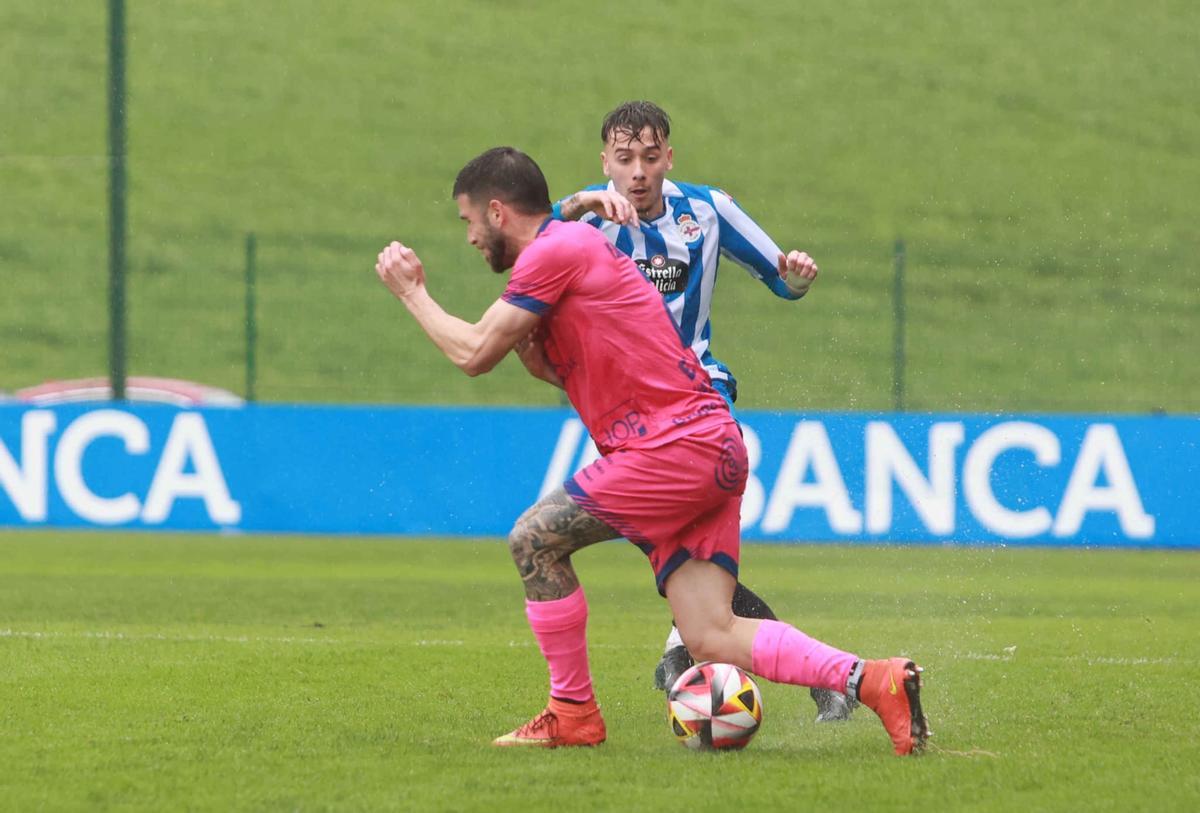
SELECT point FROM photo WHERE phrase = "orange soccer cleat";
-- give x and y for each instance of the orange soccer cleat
(892, 689)
(561, 724)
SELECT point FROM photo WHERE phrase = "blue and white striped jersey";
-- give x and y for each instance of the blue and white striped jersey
(680, 251)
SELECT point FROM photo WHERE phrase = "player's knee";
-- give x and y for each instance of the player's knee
(520, 542)
(704, 645)
(710, 640)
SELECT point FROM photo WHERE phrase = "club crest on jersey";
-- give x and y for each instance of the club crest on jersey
(689, 229)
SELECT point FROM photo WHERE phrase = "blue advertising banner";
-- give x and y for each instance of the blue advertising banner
(1059, 480)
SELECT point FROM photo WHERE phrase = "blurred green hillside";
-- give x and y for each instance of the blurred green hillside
(1040, 160)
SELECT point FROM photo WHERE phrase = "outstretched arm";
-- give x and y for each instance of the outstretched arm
(787, 275)
(474, 348)
(608, 205)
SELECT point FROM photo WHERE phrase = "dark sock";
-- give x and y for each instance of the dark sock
(748, 605)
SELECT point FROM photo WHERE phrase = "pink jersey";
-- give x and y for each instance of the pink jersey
(634, 382)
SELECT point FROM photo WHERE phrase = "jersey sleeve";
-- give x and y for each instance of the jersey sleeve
(543, 273)
(744, 242)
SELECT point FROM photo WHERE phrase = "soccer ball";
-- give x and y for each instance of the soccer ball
(714, 706)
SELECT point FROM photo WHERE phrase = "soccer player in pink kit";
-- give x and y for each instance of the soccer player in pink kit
(673, 466)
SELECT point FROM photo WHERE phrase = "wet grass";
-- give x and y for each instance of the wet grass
(149, 672)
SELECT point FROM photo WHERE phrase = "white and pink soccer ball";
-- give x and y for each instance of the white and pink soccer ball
(714, 706)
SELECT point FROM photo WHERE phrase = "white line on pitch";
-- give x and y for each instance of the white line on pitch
(261, 639)
(1007, 656)
(154, 636)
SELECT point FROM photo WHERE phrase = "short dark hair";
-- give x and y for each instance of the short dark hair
(633, 117)
(508, 175)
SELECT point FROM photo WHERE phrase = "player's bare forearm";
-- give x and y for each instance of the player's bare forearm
(400, 269)
(474, 348)
(572, 208)
(602, 202)
(458, 339)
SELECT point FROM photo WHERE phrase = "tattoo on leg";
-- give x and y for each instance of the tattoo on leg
(543, 540)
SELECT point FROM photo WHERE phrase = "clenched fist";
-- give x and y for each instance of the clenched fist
(400, 269)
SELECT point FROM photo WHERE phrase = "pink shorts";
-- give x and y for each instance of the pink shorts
(676, 502)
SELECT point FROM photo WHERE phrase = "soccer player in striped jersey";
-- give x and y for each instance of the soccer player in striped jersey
(676, 233)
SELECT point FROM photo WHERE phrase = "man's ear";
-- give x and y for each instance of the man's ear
(670, 159)
(495, 212)
(604, 163)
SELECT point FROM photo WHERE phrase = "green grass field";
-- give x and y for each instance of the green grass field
(1040, 162)
(159, 672)
(1038, 159)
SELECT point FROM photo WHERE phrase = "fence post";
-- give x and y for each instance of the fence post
(251, 317)
(898, 358)
(116, 198)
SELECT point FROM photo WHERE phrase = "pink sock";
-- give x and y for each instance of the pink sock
(560, 627)
(784, 654)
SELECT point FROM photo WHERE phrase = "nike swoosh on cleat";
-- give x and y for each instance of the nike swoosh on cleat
(892, 682)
